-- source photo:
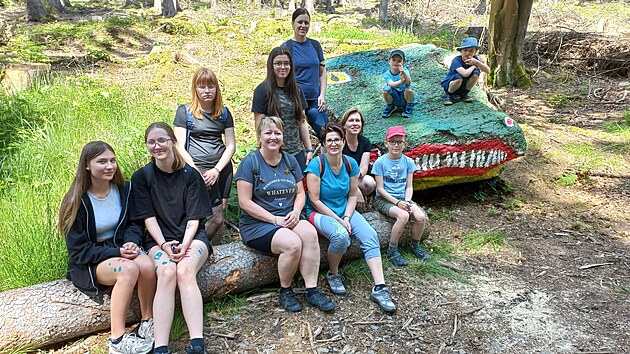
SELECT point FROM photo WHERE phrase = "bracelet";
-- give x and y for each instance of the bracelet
(309, 150)
(346, 216)
(397, 202)
(214, 168)
(275, 221)
(162, 245)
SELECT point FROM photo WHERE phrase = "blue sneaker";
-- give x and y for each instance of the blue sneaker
(317, 299)
(408, 110)
(396, 258)
(389, 109)
(465, 97)
(289, 302)
(420, 253)
(448, 99)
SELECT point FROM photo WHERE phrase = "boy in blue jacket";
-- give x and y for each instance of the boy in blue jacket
(463, 73)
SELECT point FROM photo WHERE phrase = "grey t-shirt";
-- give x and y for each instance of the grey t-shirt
(292, 140)
(206, 146)
(106, 213)
(274, 190)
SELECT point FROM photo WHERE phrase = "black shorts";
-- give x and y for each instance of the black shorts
(263, 244)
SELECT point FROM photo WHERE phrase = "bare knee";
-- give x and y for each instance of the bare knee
(130, 273)
(186, 275)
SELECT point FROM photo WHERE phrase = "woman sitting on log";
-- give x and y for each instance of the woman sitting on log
(103, 246)
(332, 180)
(358, 147)
(171, 198)
(280, 96)
(271, 196)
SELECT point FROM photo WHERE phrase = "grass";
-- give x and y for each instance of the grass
(478, 240)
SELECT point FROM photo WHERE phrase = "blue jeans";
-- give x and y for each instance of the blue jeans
(316, 118)
(338, 236)
(301, 160)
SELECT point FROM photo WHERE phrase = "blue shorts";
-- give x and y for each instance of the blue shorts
(398, 96)
(456, 76)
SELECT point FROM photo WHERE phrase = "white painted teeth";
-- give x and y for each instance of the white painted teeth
(461, 159)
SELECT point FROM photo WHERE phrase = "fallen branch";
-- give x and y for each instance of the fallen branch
(369, 323)
(332, 339)
(470, 312)
(588, 266)
(228, 336)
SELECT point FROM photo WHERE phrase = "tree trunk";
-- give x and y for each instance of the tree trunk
(382, 11)
(309, 5)
(35, 11)
(133, 4)
(56, 311)
(507, 27)
(481, 8)
(157, 6)
(169, 8)
(57, 5)
(291, 6)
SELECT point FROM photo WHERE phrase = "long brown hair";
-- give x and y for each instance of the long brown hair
(205, 77)
(291, 87)
(347, 114)
(178, 161)
(71, 202)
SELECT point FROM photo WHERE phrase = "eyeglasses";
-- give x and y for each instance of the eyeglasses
(397, 142)
(160, 141)
(335, 141)
(282, 64)
(209, 88)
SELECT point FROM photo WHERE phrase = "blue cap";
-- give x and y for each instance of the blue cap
(397, 52)
(470, 42)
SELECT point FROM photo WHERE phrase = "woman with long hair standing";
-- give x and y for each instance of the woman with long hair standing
(171, 198)
(280, 96)
(103, 245)
(271, 196)
(199, 126)
(358, 147)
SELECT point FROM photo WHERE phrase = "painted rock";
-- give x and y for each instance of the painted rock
(464, 142)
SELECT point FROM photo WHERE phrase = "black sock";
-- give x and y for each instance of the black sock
(163, 349)
(311, 291)
(392, 246)
(117, 340)
(196, 342)
(286, 289)
(378, 287)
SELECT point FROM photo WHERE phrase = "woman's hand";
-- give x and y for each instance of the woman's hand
(360, 201)
(321, 103)
(290, 220)
(345, 222)
(210, 177)
(309, 157)
(172, 250)
(129, 250)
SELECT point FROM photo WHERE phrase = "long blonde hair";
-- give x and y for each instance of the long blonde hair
(178, 161)
(205, 76)
(71, 202)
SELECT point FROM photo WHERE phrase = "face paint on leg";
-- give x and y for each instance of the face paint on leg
(157, 256)
(187, 254)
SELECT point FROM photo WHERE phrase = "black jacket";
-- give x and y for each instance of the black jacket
(83, 250)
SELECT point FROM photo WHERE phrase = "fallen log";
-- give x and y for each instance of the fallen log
(56, 311)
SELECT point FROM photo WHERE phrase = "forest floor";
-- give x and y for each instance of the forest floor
(559, 283)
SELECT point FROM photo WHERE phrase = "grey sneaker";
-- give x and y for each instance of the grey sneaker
(383, 299)
(396, 258)
(335, 282)
(145, 330)
(130, 344)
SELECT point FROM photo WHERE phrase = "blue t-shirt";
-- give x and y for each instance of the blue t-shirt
(333, 188)
(394, 174)
(274, 190)
(452, 73)
(306, 60)
(388, 76)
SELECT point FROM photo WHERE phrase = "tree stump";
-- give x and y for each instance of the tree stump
(19, 76)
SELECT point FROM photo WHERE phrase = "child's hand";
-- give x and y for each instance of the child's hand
(471, 61)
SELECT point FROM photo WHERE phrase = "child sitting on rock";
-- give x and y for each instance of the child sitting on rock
(397, 91)
(463, 73)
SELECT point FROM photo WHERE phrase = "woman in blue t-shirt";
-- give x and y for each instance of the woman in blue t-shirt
(332, 181)
(199, 127)
(359, 148)
(103, 245)
(310, 69)
(271, 196)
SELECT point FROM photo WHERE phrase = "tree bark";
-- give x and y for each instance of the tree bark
(56, 311)
(382, 11)
(507, 27)
(57, 5)
(309, 5)
(169, 8)
(35, 11)
(291, 6)
(481, 8)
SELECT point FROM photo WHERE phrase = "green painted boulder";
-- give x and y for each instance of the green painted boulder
(464, 142)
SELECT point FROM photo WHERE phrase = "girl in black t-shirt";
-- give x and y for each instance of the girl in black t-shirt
(358, 147)
(171, 198)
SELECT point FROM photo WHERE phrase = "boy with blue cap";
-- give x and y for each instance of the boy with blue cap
(397, 91)
(463, 73)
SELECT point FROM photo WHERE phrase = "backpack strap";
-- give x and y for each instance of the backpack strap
(189, 124)
(285, 157)
(149, 174)
(322, 165)
(289, 45)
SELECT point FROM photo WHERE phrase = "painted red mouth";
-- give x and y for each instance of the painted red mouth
(438, 160)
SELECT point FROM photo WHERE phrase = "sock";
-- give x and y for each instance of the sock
(196, 342)
(117, 340)
(392, 246)
(286, 289)
(415, 243)
(311, 291)
(379, 287)
(160, 349)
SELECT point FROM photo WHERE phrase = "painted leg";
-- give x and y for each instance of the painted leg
(192, 302)
(122, 273)
(164, 301)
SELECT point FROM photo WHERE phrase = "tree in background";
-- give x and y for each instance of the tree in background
(382, 11)
(508, 26)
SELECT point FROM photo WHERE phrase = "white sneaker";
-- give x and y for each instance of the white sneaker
(145, 329)
(130, 344)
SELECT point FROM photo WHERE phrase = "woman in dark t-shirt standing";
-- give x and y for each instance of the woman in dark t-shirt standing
(199, 127)
(358, 147)
(171, 199)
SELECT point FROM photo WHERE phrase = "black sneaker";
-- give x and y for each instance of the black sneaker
(196, 350)
(420, 253)
(289, 302)
(396, 258)
(317, 299)
(466, 97)
(448, 99)
(389, 109)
